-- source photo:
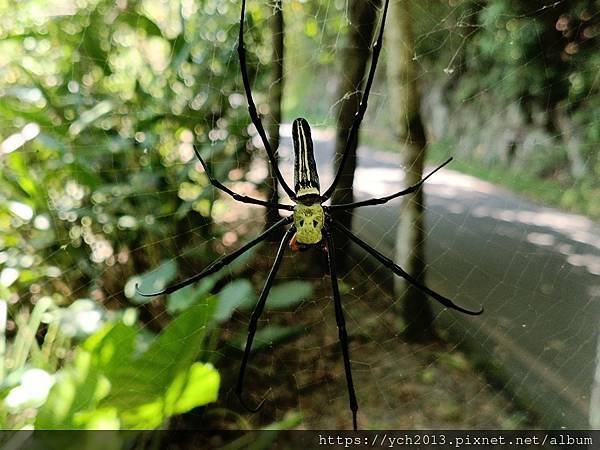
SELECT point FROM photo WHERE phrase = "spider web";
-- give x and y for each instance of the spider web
(535, 269)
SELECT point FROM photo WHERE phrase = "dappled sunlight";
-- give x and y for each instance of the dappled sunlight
(130, 280)
(576, 229)
(590, 262)
(464, 190)
(458, 181)
(543, 239)
(17, 140)
(379, 181)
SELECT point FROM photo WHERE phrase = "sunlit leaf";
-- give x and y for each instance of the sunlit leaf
(108, 385)
(172, 351)
(201, 387)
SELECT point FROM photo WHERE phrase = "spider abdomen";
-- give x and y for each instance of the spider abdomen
(306, 178)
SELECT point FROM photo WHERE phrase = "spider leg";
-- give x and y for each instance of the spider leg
(241, 198)
(217, 265)
(362, 107)
(379, 201)
(400, 272)
(341, 324)
(252, 107)
(258, 309)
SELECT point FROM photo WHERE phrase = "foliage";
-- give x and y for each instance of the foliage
(97, 136)
(110, 385)
(510, 89)
(122, 376)
(544, 60)
(100, 102)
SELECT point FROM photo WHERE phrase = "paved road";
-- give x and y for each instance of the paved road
(535, 269)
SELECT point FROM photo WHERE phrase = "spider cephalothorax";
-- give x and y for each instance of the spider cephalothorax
(311, 223)
(308, 220)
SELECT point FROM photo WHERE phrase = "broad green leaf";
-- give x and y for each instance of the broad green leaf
(106, 385)
(143, 415)
(77, 440)
(201, 388)
(148, 377)
(286, 295)
(238, 293)
(77, 388)
(112, 347)
(190, 295)
(99, 419)
(83, 383)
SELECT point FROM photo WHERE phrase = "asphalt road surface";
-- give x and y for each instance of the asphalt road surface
(535, 269)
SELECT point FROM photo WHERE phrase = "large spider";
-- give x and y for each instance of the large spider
(311, 222)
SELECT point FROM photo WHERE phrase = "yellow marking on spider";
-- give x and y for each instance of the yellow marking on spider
(308, 220)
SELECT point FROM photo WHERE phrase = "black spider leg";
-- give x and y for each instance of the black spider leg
(252, 107)
(341, 324)
(258, 309)
(400, 272)
(217, 265)
(379, 201)
(362, 107)
(240, 198)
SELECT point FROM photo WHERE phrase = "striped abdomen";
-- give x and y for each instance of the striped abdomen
(306, 178)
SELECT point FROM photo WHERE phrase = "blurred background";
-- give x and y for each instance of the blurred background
(100, 102)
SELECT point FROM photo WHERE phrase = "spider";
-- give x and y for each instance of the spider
(311, 223)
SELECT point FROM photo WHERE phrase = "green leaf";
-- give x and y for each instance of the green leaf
(93, 39)
(238, 293)
(107, 385)
(76, 388)
(23, 176)
(202, 387)
(268, 336)
(152, 281)
(190, 295)
(286, 295)
(111, 347)
(140, 386)
(81, 385)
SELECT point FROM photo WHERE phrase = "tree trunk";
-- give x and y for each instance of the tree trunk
(275, 95)
(405, 107)
(355, 58)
